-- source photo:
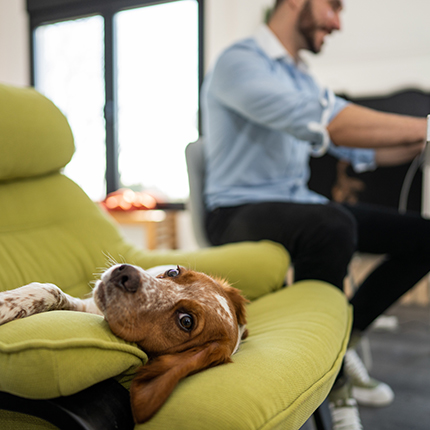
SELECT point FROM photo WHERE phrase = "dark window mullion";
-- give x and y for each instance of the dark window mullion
(112, 171)
(32, 54)
(201, 59)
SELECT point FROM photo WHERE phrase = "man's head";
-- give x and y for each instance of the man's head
(317, 19)
(304, 24)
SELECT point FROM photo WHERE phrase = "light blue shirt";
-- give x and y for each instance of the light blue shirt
(263, 117)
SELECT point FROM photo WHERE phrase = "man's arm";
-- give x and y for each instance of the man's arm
(362, 127)
(395, 155)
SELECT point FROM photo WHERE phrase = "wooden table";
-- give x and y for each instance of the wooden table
(159, 225)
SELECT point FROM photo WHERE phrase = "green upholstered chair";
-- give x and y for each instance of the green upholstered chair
(67, 370)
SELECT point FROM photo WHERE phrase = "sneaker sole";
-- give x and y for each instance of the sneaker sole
(378, 397)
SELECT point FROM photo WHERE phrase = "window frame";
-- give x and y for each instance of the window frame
(43, 12)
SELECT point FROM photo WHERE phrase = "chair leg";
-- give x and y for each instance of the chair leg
(322, 417)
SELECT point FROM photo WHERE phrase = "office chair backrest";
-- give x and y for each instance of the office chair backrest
(194, 154)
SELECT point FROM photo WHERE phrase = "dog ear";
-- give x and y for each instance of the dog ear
(238, 301)
(156, 380)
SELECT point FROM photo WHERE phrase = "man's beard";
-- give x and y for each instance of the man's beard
(307, 27)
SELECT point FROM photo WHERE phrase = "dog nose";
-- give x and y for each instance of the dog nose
(126, 277)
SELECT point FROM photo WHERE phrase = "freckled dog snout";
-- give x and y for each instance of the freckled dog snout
(126, 277)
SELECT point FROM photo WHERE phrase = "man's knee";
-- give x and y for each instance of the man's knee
(331, 243)
(338, 227)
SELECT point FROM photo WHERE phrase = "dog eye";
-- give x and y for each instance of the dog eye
(186, 322)
(173, 273)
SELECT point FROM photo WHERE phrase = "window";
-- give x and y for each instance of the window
(127, 75)
(69, 71)
(157, 95)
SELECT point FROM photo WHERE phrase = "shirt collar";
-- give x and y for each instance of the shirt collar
(273, 48)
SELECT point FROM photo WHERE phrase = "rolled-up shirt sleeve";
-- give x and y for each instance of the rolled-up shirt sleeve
(332, 106)
(362, 160)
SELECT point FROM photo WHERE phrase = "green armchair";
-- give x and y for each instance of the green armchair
(67, 370)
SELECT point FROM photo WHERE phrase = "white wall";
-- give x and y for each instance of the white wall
(230, 20)
(14, 45)
(384, 46)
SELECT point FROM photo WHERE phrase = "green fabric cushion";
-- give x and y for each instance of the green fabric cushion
(50, 231)
(61, 353)
(280, 375)
(35, 136)
(255, 268)
(17, 421)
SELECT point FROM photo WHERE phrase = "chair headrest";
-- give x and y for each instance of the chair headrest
(35, 137)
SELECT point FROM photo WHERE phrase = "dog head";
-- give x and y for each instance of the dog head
(184, 320)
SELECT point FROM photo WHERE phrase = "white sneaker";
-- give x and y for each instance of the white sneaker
(366, 390)
(344, 409)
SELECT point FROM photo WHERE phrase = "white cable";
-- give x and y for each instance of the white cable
(420, 160)
(407, 182)
(425, 197)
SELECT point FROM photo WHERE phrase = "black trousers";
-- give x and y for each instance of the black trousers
(321, 239)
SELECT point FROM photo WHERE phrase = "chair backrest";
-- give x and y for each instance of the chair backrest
(194, 154)
(50, 230)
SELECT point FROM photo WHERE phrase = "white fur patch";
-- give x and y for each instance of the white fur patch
(223, 302)
(241, 330)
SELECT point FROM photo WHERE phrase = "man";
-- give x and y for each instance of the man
(263, 117)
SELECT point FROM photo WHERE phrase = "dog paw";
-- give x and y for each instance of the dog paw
(10, 308)
(28, 300)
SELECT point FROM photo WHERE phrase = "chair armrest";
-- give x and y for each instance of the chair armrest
(103, 406)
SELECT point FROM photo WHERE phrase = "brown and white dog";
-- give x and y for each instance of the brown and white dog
(184, 320)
